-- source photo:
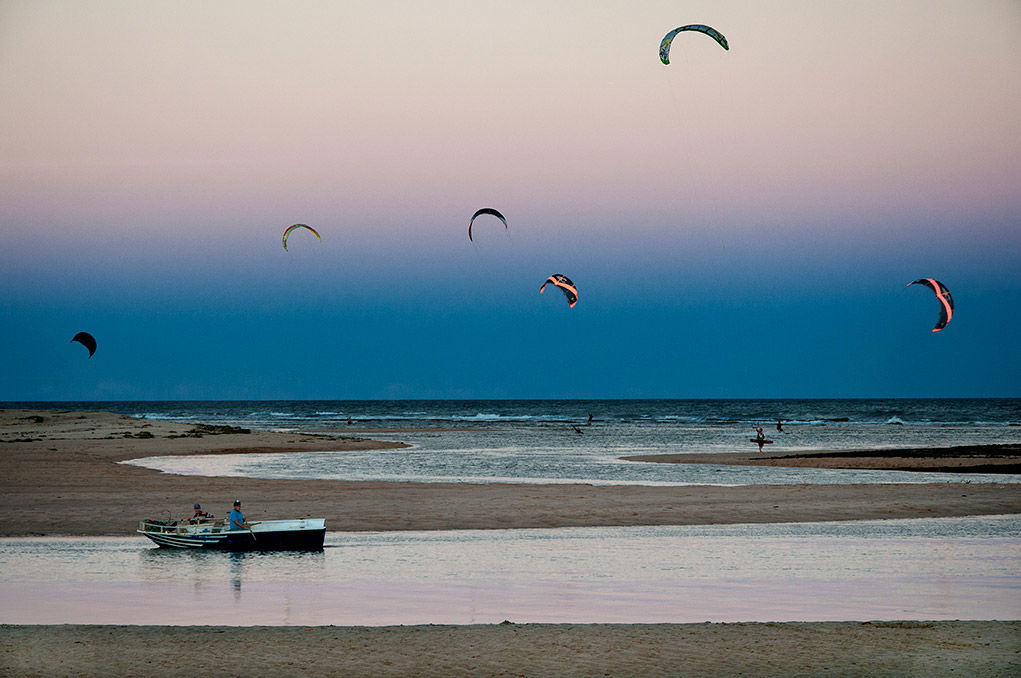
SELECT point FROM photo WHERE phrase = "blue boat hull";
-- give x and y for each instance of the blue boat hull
(271, 535)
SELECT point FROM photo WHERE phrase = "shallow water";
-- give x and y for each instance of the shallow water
(460, 457)
(534, 441)
(902, 569)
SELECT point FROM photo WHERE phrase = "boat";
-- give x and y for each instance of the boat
(305, 534)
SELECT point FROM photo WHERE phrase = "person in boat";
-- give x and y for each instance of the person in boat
(200, 516)
(236, 521)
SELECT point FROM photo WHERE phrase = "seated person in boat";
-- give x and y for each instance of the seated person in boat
(200, 516)
(236, 521)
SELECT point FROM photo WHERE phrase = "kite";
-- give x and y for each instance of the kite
(287, 233)
(565, 285)
(946, 302)
(485, 210)
(86, 340)
(664, 47)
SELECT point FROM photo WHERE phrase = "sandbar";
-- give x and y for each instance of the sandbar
(61, 477)
(960, 648)
(1001, 458)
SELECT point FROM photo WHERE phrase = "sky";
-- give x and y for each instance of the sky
(739, 223)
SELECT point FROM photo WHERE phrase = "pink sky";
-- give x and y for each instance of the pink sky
(175, 116)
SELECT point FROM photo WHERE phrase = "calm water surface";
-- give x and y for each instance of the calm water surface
(901, 569)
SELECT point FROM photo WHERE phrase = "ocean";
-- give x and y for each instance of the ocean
(554, 441)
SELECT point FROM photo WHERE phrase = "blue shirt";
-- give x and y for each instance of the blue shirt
(235, 514)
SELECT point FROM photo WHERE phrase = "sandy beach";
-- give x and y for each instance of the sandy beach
(61, 477)
(791, 649)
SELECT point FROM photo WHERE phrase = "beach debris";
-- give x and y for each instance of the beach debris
(485, 210)
(668, 39)
(946, 302)
(86, 340)
(565, 285)
(200, 430)
(287, 233)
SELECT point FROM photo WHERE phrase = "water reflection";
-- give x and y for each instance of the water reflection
(236, 566)
(920, 569)
(206, 573)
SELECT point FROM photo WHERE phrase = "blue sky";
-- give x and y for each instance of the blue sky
(739, 224)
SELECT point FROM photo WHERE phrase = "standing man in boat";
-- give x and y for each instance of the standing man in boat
(236, 520)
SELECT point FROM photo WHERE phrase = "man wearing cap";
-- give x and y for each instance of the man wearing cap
(236, 521)
(199, 516)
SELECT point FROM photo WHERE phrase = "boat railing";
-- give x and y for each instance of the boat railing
(218, 525)
(180, 526)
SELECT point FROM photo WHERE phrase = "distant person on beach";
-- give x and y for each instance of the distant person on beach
(779, 426)
(237, 519)
(760, 437)
(199, 516)
(589, 418)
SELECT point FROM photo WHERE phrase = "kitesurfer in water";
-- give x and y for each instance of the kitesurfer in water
(779, 426)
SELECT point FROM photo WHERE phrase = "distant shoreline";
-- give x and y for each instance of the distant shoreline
(61, 476)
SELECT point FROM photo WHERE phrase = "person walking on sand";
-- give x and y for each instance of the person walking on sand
(236, 521)
(760, 437)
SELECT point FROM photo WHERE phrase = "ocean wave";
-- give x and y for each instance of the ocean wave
(850, 415)
(324, 416)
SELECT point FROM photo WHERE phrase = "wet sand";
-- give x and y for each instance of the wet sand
(61, 477)
(769, 649)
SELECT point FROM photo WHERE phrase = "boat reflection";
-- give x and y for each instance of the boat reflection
(206, 571)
